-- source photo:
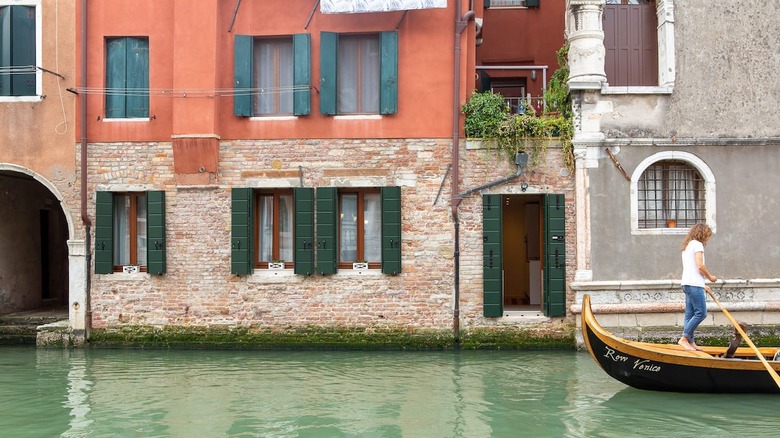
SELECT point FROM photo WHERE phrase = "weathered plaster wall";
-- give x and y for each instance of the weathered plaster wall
(727, 56)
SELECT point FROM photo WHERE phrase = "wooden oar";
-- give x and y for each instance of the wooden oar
(768, 367)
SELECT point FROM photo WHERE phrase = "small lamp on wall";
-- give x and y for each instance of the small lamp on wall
(533, 75)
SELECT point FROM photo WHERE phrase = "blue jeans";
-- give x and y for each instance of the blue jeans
(695, 310)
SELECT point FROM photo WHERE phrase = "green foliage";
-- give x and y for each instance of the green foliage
(557, 94)
(484, 113)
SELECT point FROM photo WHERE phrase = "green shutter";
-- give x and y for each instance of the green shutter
(329, 44)
(302, 74)
(242, 225)
(304, 230)
(137, 101)
(155, 232)
(391, 230)
(492, 272)
(104, 233)
(532, 3)
(5, 50)
(116, 77)
(554, 255)
(388, 91)
(242, 75)
(327, 241)
(23, 49)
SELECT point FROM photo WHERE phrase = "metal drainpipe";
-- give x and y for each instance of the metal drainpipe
(461, 24)
(84, 216)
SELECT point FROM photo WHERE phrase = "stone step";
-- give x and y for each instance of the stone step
(11, 334)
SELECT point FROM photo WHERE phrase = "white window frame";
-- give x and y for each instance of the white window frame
(709, 191)
(38, 48)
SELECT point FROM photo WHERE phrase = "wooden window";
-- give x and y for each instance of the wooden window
(130, 231)
(18, 43)
(272, 75)
(360, 227)
(127, 77)
(670, 194)
(631, 43)
(274, 227)
(359, 73)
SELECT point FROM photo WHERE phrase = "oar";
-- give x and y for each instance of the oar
(768, 367)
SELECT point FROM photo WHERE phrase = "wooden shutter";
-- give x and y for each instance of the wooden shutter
(116, 71)
(327, 239)
(388, 91)
(242, 225)
(302, 74)
(631, 45)
(304, 230)
(104, 233)
(554, 255)
(492, 269)
(23, 49)
(5, 49)
(391, 230)
(155, 232)
(242, 74)
(137, 100)
(329, 43)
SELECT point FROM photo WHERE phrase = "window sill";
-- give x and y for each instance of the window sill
(260, 276)
(121, 276)
(11, 99)
(359, 117)
(360, 272)
(272, 118)
(606, 89)
(659, 231)
(132, 120)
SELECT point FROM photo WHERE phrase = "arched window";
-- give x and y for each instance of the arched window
(672, 190)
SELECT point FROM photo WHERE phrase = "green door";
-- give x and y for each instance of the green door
(492, 273)
(554, 255)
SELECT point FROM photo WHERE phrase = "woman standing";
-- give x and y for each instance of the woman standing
(694, 275)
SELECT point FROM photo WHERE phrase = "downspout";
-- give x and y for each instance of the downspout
(83, 163)
(461, 24)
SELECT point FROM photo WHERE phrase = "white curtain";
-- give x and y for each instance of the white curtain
(273, 59)
(266, 232)
(682, 193)
(348, 228)
(121, 230)
(372, 227)
(286, 228)
(140, 229)
(358, 74)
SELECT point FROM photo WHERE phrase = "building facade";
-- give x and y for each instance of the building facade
(694, 140)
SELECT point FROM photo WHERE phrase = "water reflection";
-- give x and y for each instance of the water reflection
(107, 393)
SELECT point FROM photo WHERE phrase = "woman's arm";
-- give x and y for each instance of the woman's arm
(703, 269)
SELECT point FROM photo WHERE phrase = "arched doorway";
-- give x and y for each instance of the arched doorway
(34, 233)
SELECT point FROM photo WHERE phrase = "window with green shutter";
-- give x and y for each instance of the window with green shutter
(242, 225)
(272, 75)
(391, 230)
(492, 263)
(130, 232)
(359, 73)
(326, 230)
(554, 255)
(18, 50)
(127, 77)
(304, 230)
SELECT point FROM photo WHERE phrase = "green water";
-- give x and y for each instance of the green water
(131, 393)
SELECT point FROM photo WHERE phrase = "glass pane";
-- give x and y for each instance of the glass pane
(369, 81)
(348, 75)
(121, 230)
(266, 233)
(348, 228)
(372, 227)
(286, 228)
(273, 59)
(140, 229)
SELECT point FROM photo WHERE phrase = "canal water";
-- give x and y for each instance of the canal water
(143, 393)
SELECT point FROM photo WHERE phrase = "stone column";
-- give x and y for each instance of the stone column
(666, 62)
(77, 285)
(586, 45)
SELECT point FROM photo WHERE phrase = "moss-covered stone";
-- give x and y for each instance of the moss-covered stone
(327, 338)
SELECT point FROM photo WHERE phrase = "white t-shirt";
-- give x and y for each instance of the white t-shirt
(691, 275)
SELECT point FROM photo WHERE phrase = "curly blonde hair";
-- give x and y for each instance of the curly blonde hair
(700, 232)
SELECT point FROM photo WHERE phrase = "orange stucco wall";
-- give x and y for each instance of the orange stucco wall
(191, 53)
